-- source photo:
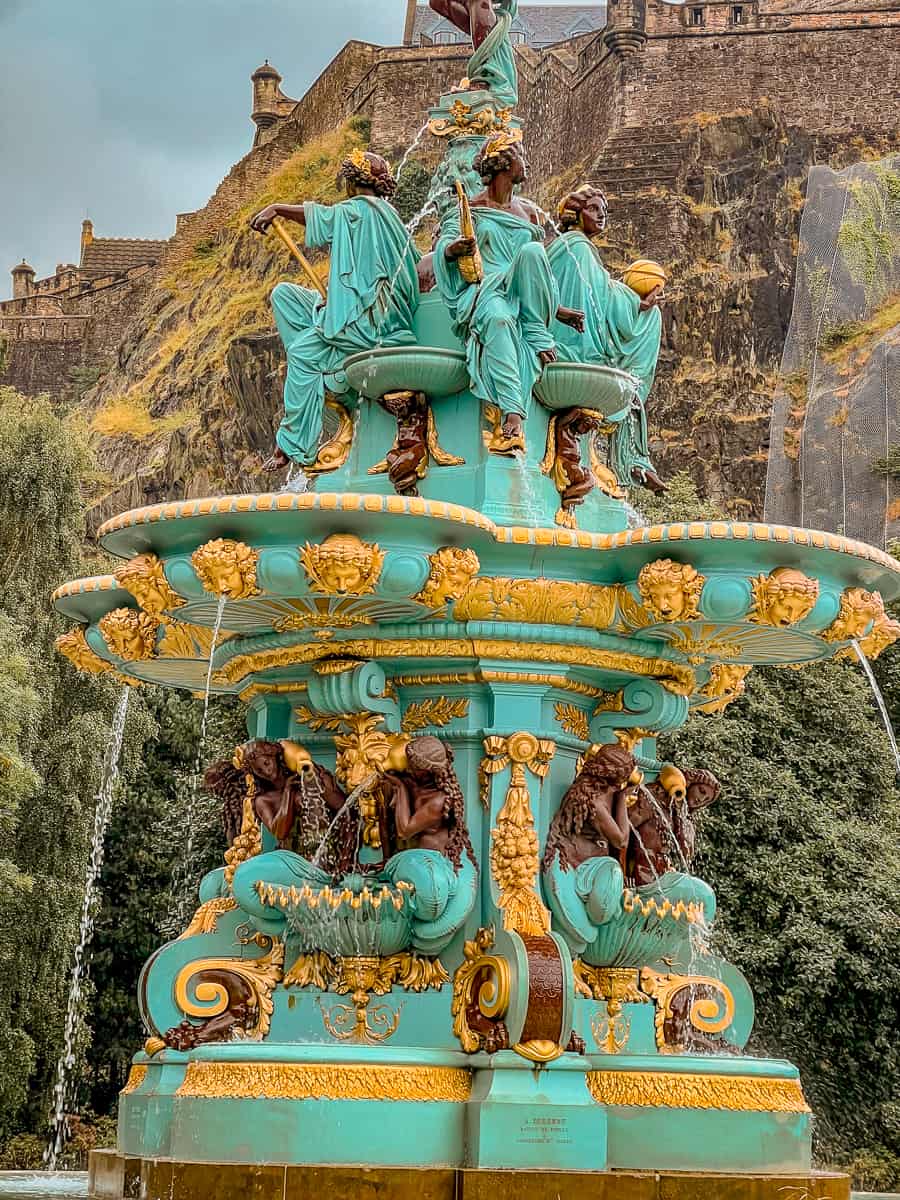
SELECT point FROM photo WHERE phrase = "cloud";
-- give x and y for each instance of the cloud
(130, 112)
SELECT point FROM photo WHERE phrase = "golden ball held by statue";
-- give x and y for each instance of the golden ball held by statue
(643, 276)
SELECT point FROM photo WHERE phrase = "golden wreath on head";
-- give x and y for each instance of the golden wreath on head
(360, 162)
(504, 140)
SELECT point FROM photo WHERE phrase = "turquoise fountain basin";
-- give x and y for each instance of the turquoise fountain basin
(373, 919)
(579, 385)
(428, 369)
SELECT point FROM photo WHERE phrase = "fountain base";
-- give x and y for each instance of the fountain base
(116, 1177)
(237, 1106)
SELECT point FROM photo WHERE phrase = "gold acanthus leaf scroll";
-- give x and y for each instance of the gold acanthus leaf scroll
(726, 683)
(260, 974)
(435, 712)
(334, 453)
(708, 1014)
(514, 841)
(538, 602)
(574, 720)
(481, 978)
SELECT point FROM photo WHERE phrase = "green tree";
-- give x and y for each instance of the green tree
(136, 882)
(54, 725)
(803, 850)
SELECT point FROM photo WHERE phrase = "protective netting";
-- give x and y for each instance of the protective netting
(834, 456)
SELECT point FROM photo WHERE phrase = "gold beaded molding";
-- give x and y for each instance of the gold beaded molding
(325, 1081)
(416, 506)
(739, 1093)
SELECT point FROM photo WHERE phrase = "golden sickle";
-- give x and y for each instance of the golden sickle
(301, 258)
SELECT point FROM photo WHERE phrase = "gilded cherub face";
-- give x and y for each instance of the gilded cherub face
(342, 576)
(787, 609)
(667, 598)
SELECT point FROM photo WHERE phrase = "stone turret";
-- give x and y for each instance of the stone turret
(626, 30)
(270, 104)
(87, 234)
(23, 280)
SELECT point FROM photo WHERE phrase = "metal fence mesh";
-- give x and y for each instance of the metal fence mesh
(835, 418)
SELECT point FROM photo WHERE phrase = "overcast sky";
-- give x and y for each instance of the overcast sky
(128, 111)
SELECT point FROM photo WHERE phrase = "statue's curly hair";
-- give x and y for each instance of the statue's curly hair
(369, 170)
(431, 754)
(569, 208)
(611, 766)
(224, 780)
(495, 156)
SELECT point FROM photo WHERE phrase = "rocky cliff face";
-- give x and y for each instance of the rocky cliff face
(195, 394)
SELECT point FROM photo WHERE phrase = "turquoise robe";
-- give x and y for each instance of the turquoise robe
(373, 292)
(505, 320)
(616, 334)
(494, 60)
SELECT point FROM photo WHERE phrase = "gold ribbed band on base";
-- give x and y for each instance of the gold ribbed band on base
(739, 1093)
(325, 1081)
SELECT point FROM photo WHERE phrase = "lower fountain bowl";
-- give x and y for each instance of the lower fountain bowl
(428, 369)
(349, 922)
(604, 390)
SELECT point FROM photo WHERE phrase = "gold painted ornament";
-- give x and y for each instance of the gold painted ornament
(227, 568)
(342, 565)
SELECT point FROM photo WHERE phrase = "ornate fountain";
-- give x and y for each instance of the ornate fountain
(456, 925)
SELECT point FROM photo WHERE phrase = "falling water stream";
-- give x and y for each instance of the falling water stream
(879, 699)
(74, 1013)
(351, 800)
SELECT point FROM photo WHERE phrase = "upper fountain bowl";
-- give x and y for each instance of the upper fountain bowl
(605, 390)
(428, 369)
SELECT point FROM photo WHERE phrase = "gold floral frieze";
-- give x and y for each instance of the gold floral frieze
(538, 602)
(326, 1081)
(660, 1089)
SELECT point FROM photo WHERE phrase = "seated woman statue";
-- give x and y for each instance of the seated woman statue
(582, 878)
(505, 319)
(372, 296)
(297, 801)
(435, 854)
(621, 329)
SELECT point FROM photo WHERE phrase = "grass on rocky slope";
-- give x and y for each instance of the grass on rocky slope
(221, 291)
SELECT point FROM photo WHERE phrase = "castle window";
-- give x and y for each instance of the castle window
(696, 17)
(737, 14)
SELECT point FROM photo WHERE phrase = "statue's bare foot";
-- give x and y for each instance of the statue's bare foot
(276, 461)
(651, 481)
(512, 434)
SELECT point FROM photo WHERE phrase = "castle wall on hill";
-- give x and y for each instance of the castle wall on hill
(52, 332)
